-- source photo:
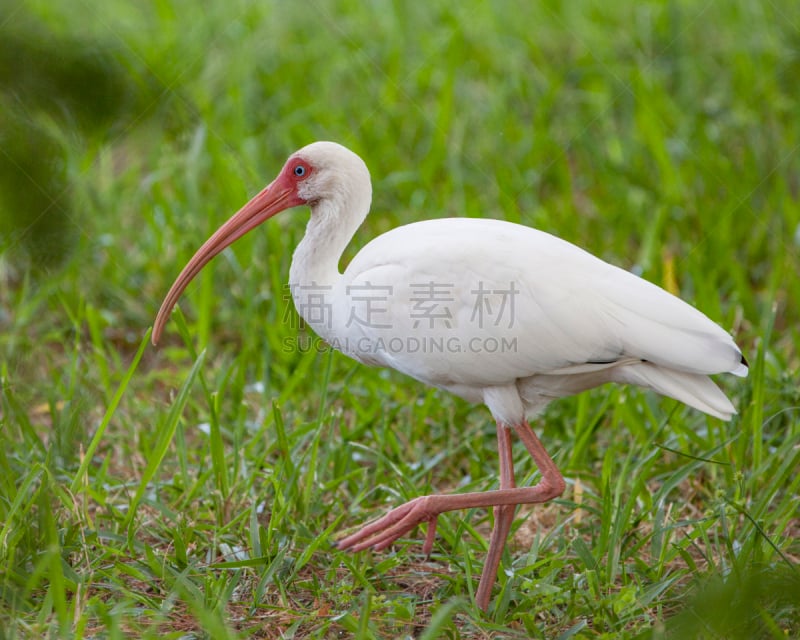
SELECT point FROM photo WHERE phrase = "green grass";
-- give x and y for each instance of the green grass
(196, 490)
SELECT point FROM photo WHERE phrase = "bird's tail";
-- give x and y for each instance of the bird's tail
(694, 389)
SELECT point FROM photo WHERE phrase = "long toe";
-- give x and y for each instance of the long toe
(383, 532)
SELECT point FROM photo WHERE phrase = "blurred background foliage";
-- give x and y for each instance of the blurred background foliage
(59, 92)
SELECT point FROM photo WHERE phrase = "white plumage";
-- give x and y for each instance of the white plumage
(577, 321)
(494, 312)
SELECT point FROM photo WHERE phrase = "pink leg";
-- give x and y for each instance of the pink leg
(381, 533)
(503, 518)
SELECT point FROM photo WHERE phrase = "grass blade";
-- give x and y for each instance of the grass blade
(81, 474)
(166, 432)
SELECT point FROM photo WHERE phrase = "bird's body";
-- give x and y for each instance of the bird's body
(494, 312)
(467, 304)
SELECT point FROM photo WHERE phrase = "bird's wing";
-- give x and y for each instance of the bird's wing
(478, 302)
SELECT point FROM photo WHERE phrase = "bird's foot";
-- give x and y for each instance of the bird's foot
(381, 533)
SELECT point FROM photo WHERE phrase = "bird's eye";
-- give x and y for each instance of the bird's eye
(299, 171)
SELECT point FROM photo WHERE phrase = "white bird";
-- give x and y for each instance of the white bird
(494, 312)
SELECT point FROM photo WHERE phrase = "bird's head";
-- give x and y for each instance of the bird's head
(325, 171)
(318, 174)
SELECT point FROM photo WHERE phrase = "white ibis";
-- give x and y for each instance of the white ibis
(491, 311)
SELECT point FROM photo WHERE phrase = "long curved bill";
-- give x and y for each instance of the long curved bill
(274, 198)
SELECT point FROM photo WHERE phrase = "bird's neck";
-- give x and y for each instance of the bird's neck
(315, 265)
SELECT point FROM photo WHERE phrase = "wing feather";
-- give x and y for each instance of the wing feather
(569, 308)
